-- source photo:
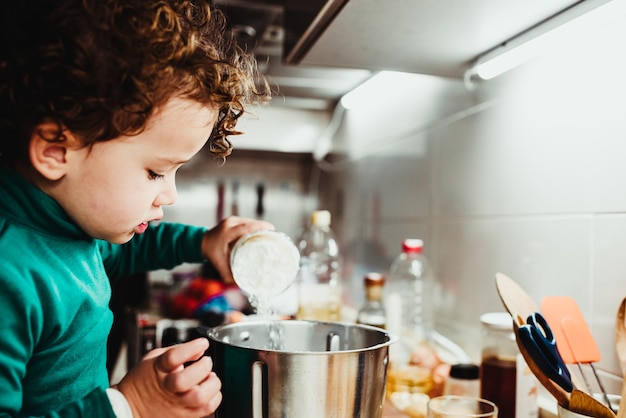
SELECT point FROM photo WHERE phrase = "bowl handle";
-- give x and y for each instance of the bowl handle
(259, 391)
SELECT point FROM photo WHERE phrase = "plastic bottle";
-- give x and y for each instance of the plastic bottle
(409, 294)
(373, 312)
(463, 380)
(409, 307)
(319, 279)
(505, 378)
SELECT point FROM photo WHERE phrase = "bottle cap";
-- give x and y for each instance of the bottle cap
(374, 279)
(464, 371)
(412, 245)
(320, 218)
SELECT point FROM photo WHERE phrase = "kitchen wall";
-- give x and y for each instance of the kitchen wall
(283, 178)
(273, 153)
(524, 174)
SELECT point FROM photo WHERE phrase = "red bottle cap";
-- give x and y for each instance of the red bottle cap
(412, 245)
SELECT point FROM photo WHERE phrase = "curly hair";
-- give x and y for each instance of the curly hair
(100, 68)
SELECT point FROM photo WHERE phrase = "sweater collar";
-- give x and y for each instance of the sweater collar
(21, 202)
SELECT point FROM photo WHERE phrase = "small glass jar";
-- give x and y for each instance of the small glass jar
(505, 379)
(463, 380)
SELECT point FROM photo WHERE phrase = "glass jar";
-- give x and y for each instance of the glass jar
(264, 264)
(505, 379)
(463, 380)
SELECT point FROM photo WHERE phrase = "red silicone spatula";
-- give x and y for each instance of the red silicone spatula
(575, 341)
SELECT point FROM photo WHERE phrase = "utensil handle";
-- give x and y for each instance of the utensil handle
(259, 377)
(621, 410)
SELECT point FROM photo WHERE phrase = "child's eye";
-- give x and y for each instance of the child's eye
(154, 176)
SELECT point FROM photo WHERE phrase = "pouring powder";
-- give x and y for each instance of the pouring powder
(264, 264)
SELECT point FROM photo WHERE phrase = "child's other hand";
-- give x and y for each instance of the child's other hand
(218, 241)
(161, 386)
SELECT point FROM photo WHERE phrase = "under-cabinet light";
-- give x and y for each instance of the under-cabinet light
(374, 87)
(563, 27)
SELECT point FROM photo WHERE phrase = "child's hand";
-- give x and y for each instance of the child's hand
(218, 241)
(161, 386)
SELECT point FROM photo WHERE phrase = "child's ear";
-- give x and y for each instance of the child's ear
(48, 150)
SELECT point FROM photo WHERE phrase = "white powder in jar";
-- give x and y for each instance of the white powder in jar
(264, 263)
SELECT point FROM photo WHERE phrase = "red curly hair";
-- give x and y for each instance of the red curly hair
(100, 68)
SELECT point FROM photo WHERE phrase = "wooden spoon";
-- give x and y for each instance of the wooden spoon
(582, 403)
(621, 409)
(620, 345)
(620, 335)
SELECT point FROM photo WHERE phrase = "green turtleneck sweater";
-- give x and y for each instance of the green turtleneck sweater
(54, 297)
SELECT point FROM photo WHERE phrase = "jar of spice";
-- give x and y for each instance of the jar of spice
(463, 380)
(505, 379)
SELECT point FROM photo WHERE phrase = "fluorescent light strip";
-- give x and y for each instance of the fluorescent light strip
(563, 27)
(376, 85)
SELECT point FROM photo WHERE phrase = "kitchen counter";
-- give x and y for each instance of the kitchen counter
(547, 409)
(389, 411)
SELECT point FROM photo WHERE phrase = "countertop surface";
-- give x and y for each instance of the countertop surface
(389, 411)
(547, 409)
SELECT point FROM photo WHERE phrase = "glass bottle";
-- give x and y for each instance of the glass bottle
(373, 311)
(505, 379)
(319, 281)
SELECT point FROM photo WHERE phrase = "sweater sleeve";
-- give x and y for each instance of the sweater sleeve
(21, 315)
(163, 246)
(95, 405)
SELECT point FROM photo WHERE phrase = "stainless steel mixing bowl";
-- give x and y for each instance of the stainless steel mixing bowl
(300, 369)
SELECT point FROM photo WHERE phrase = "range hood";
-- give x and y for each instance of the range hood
(271, 28)
(434, 37)
(315, 51)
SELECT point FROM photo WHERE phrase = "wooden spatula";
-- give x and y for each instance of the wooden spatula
(621, 409)
(561, 395)
(516, 301)
(520, 306)
(585, 404)
(620, 335)
(620, 345)
(575, 341)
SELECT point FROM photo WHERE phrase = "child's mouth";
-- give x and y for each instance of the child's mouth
(141, 228)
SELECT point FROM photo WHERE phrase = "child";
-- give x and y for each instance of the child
(101, 101)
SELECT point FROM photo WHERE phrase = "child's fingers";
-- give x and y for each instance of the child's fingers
(176, 356)
(185, 379)
(205, 394)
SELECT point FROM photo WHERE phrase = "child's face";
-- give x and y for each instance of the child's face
(113, 189)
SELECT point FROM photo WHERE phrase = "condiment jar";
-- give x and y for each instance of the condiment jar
(505, 379)
(373, 312)
(463, 380)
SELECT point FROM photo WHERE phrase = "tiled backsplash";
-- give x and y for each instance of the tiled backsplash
(524, 174)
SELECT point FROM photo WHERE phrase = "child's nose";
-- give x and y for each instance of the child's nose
(167, 196)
